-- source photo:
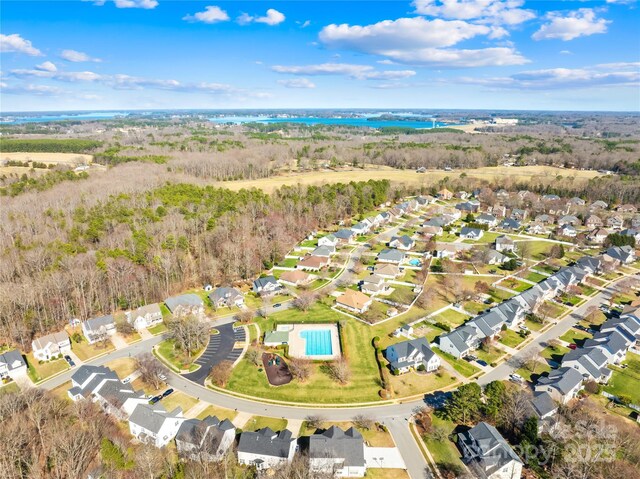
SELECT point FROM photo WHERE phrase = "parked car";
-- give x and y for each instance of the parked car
(470, 358)
(516, 378)
(126, 380)
(167, 392)
(68, 359)
(277, 305)
(162, 377)
(154, 399)
(482, 363)
(573, 346)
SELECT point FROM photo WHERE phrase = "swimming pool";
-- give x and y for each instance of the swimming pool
(317, 342)
(414, 262)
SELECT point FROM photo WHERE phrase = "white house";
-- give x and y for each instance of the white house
(471, 233)
(185, 305)
(266, 286)
(12, 365)
(96, 329)
(145, 316)
(152, 424)
(561, 384)
(338, 453)
(328, 240)
(504, 243)
(208, 439)
(265, 448)
(226, 296)
(410, 354)
(51, 346)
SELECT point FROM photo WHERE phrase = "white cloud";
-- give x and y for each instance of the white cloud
(571, 25)
(359, 72)
(145, 4)
(605, 75)
(47, 67)
(85, 76)
(566, 52)
(29, 89)
(297, 83)
(77, 57)
(211, 14)
(15, 43)
(272, 17)
(304, 24)
(499, 12)
(417, 41)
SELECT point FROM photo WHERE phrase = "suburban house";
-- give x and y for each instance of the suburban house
(337, 452)
(374, 284)
(313, 263)
(544, 408)
(561, 384)
(575, 201)
(403, 242)
(185, 305)
(295, 278)
(324, 251)
(626, 209)
(536, 228)
(431, 230)
(598, 205)
(265, 448)
(471, 233)
(266, 285)
(97, 329)
(545, 219)
(103, 386)
(410, 354)
(393, 256)
(518, 214)
(510, 224)
(344, 236)
(328, 240)
(593, 221)
(145, 316)
(504, 243)
(495, 257)
(12, 365)
(616, 222)
(487, 453)
(598, 235)
(208, 439)
(152, 424)
(51, 346)
(569, 220)
(444, 194)
(361, 228)
(487, 219)
(635, 222)
(387, 271)
(567, 230)
(226, 296)
(633, 232)
(461, 341)
(624, 254)
(468, 207)
(354, 301)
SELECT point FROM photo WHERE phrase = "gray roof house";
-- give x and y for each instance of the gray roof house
(152, 424)
(504, 243)
(544, 408)
(266, 285)
(337, 452)
(487, 453)
(390, 255)
(185, 304)
(410, 354)
(226, 296)
(471, 233)
(208, 439)
(402, 242)
(510, 224)
(461, 341)
(96, 329)
(145, 316)
(344, 235)
(265, 448)
(12, 365)
(324, 251)
(487, 219)
(624, 254)
(562, 384)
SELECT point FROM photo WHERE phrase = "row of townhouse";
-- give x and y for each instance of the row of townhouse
(511, 313)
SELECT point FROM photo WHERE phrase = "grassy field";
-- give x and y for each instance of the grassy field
(179, 399)
(575, 336)
(38, 371)
(525, 173)
(626, 382)
(258, 422)
(413, 383)
(444, 453)
(123, 366)
(49, 158)
(219, 412)
(452, 317)
(463, 367)
(174, 358)
(386, 474)
(510, 338)
(374, 437)
(158, 329)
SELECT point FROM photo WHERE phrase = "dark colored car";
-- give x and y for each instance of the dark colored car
(68, 359)
(482, 363)
(277, 305)
(167, 392)
(154, 399)
(573, 346)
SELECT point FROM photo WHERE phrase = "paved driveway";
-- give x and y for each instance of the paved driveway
(384, 457)
(220, 348)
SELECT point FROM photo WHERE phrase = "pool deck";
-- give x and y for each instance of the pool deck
(297, 344)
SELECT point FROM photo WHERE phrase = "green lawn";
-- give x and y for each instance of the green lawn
(588, 290)
(374, 437)
(533, 325)
(575, 336)
(413, 383)
(175, 359)
(319, 388)
(38, 371)
(219, 412)
(158, 329)
(532, 376)
(510, 338)
(571, 299)
(554, 353)
(535, 277)
(11, 387)
(490, 356)
(401, 294)
(86, 351)
(626, 382)
(288, 263)
(539, 250)
(463, 367)
(515, 285)
(452, 317)
(409, 276)
(474, 306)
(259, 422)
(445, 453)
(552, 310)
(179, 399)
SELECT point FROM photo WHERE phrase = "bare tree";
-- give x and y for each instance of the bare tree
(151, 370)
(220, 373)
(300, 368)
(339, 371)
(244, 316)
(362, 421)
(304, 301)
(314, 421)
(189, 333)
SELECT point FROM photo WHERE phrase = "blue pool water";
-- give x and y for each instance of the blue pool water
(415, 262)
(317, 342)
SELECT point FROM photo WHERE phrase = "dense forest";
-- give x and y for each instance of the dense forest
(94, 254)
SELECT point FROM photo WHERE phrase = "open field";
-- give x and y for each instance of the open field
(624, 382)
(524, 173)
(49, 158)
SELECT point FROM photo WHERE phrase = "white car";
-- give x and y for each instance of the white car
(516, 378)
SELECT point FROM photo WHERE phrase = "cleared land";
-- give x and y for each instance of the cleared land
(49, 158)
(524, 173)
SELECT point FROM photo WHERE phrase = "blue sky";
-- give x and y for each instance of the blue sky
(155, 54)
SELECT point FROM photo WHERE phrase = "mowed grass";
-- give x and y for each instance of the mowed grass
(626, 382)
(259, 422)
(575, 336)
(510, 338)
(376, 473)
(179, 399)
(175, 359)
(122, 366)
(413, 383)
(374, 437)
(38, 371)
(445, 452)
(452, 317)
(319, 388)
(538, 173)
(460, 365)
(219, 412)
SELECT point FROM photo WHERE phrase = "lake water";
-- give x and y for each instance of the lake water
(418, 122)
(43, 118)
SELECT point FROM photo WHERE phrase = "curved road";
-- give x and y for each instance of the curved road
(394, 416)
